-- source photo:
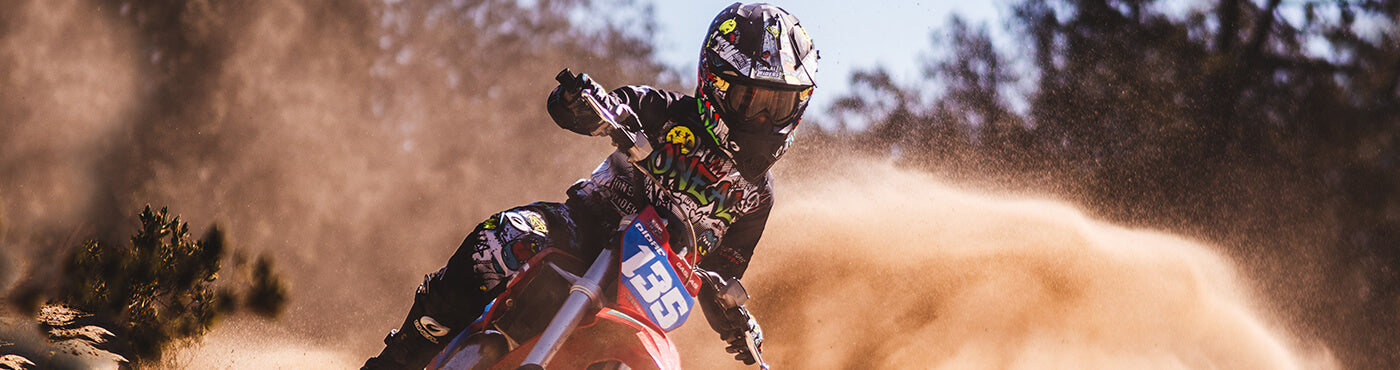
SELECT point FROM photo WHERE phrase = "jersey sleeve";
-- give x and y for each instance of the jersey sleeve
(653, 106)
(731, 258)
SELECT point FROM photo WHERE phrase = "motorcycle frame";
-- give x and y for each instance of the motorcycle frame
(614, 314)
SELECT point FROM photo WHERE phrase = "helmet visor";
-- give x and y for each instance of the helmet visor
(759, 108)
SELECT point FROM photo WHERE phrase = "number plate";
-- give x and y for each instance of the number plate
(648, 275)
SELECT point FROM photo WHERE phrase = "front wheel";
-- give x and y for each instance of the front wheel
(605, 365)
(475, 351)
(608, 365)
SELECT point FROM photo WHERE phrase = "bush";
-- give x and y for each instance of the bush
(159, 291)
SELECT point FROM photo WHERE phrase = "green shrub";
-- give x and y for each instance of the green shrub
(159, 291)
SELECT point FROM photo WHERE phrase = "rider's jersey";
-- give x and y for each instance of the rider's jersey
(692, 178)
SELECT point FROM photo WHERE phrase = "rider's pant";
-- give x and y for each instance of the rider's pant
(451, 298)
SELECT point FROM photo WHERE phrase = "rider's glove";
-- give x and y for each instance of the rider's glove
(730, 319)
(739, 340)
(570, 111)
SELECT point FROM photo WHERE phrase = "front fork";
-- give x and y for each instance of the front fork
(584, 298)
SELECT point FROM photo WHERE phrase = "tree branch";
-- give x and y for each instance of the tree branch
(1229, 22)
(1260, 33)
(1271, 63)
(1389, 90)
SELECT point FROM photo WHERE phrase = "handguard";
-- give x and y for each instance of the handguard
(723, 302)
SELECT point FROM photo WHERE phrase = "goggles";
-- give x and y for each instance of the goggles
(759, 106)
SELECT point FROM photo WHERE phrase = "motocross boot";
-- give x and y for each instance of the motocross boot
(436, 317)
(403, 349)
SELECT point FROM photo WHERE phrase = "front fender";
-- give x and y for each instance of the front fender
(613, 336)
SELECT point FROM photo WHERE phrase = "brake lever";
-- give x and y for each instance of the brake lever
(753, 349)
(635, 144)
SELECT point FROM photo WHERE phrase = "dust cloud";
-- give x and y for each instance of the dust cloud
(874, 267)
(884, 268)
(357, 142)
(64, 91)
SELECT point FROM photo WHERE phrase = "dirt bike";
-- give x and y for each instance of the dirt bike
(611, 313)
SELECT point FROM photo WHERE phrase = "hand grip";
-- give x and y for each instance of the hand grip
(566, 78)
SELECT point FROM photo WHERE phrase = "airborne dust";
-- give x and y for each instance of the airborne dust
(357, 143)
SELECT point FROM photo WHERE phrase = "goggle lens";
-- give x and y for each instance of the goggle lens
(760, 105)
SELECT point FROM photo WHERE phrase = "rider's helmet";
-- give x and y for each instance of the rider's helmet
(756, 69)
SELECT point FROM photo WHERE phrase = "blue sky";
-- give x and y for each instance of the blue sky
(852, 35)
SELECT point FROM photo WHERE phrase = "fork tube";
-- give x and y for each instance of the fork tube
(583, 296)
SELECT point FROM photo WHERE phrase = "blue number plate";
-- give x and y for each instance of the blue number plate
(648, 274)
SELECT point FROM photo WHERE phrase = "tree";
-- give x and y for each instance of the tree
(1273, 136)
(372, 128)
(969, 124)
(159, 292)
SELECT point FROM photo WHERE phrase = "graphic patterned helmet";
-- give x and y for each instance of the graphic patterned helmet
(756, 69)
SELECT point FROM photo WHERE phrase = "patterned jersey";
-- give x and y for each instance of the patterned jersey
(691, 177)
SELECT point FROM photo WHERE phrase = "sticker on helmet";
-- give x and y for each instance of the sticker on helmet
(719, 83)
(680, 135)
(731, 54)
(727, 26)
(769, 66)
(769, 73)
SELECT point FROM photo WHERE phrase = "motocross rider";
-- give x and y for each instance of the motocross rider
(711, 156)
